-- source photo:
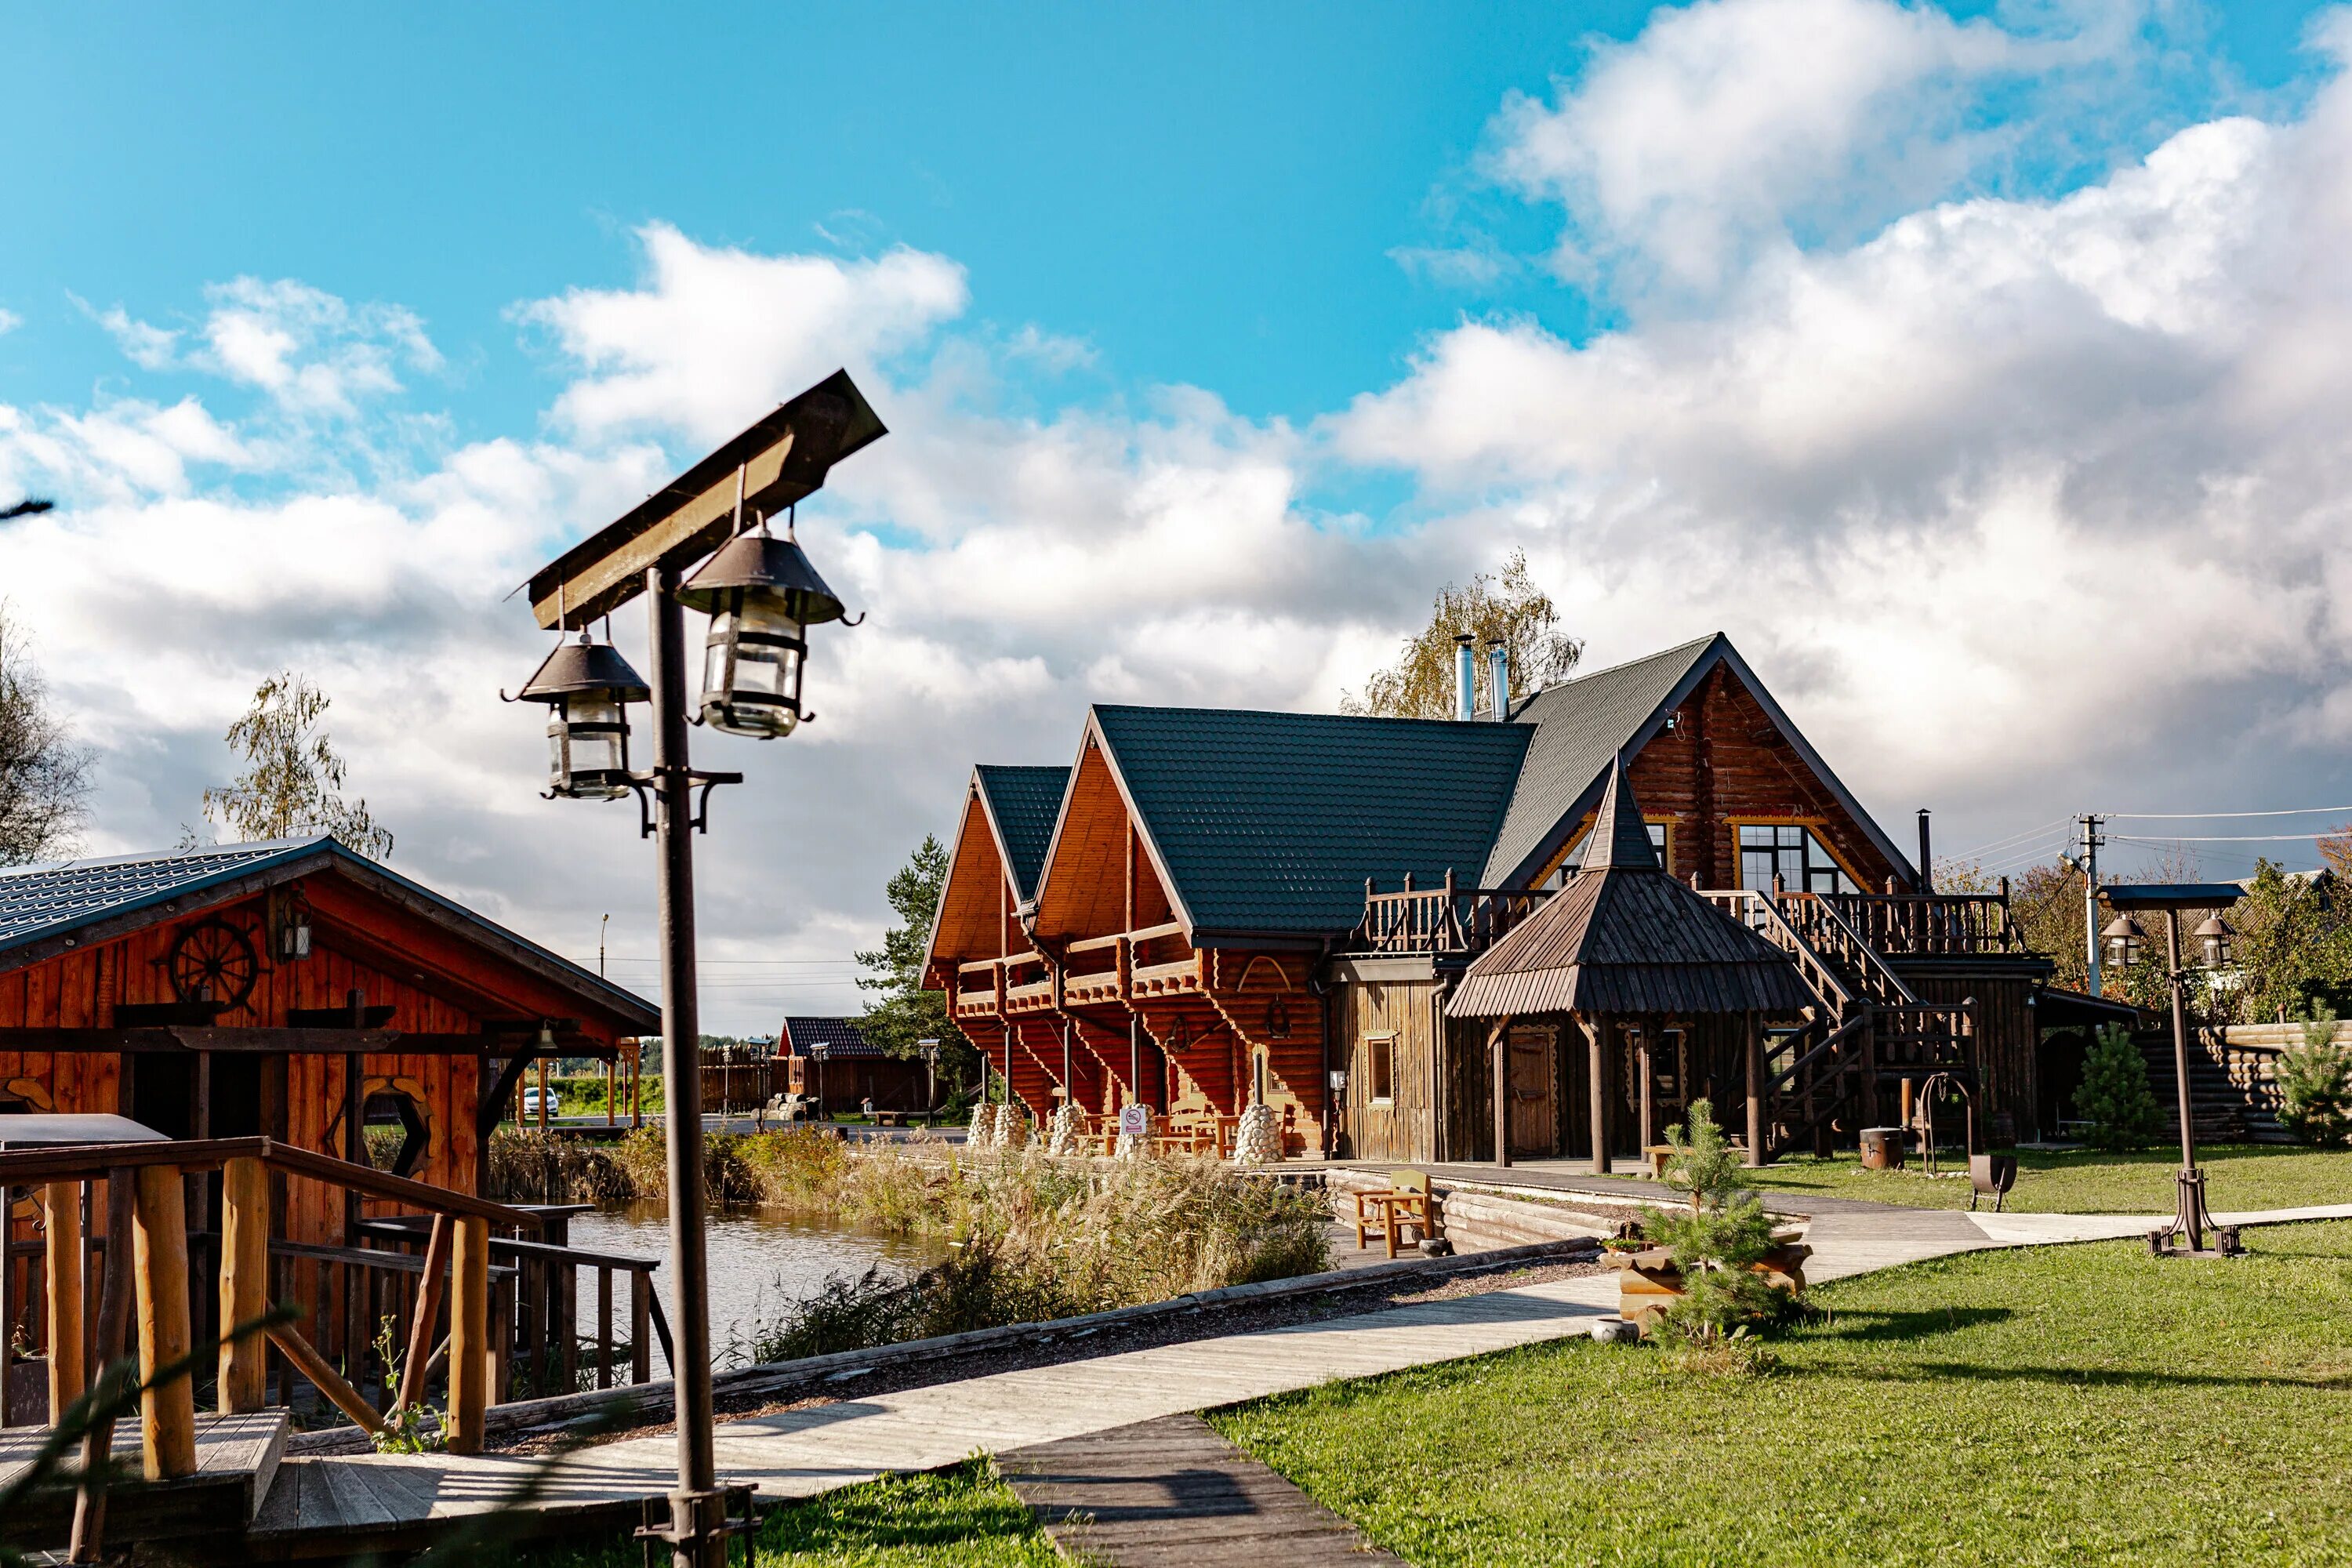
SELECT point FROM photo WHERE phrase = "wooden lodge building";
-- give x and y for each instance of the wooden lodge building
(1208, 908)
(288, 989)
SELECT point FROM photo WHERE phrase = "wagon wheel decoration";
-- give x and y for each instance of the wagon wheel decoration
(214, 960)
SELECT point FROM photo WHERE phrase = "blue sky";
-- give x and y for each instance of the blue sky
(1979, 369)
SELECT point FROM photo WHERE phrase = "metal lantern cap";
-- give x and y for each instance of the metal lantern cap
(2121, 928)
(575, 667)
(761, 562)
(2213, 926)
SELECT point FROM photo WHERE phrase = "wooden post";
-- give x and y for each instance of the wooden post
(612, 1111)
(243, 1283)
(1649, 1111)
(469, 1311)
(640, 1348)
(1755, 1053)
(113, 1328)
(167, 1412)
(1498, 1051)
(1600, 1032)
(63, 1248)
(543, 1094)
(421, 1337)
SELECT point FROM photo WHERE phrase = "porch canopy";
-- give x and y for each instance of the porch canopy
(1624, 938)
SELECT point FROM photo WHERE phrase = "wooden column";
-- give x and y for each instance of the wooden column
(1755, 1053)
(1598, 1030)
(1642, 1066)
(63, 1250)
(167, 1412)
(243, 1283)
(1498, 1052)
(421, 1336)
(469, 1333)
(113, 1328)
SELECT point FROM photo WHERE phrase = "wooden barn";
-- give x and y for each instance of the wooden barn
(292, 990)
(1234, 906)
(832, 1059)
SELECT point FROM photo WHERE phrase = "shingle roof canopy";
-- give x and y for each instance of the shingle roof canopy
(1270, 822)
(1624, 937)
(839, 1036)
(1023, 802)
(41, 903)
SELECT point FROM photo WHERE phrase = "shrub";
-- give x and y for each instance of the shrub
(1714, 1240)
(2314, 1084)
(2115, 1098)
(521, 1166)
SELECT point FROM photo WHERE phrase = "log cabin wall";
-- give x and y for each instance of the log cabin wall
(1388, 1039)
(1722, 762)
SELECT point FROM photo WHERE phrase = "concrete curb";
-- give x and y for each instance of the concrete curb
(647, 1402)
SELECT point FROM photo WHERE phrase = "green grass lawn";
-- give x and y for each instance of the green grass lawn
(2238, 1176)
(2059, 1405)
(963, 1518)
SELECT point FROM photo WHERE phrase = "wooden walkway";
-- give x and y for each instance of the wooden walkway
(1171, 1493)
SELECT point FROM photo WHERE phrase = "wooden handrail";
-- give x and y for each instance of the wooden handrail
(89, 1162)
(1148, 933)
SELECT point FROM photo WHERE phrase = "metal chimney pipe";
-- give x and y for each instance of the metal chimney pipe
(1498, 670)
(1465, 678)
(1926, 859)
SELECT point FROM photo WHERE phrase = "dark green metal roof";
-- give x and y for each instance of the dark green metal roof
(1271, 822)
(1023, 803)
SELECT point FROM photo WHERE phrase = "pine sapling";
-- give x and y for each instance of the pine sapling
(2115, 1098)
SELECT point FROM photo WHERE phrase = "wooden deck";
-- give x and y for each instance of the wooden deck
(1171, 1493)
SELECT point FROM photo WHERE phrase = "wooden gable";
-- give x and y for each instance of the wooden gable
(1100, 875)
(976, 916)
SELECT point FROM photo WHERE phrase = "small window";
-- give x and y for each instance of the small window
(1792, 852)
(1381, 1086)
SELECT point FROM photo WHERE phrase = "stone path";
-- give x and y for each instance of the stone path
(1171, 1493)
(800, 1453)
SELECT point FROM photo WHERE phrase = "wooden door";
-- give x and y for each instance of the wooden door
(1534, 1058)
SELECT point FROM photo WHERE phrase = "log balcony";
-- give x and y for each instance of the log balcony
(1922, 925)
(1156, 960)
(1446, 919)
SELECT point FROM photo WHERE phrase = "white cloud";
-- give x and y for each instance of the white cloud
(148, 347)
(1725, 123)
(10, 321)
(312, 353)
(716, 337)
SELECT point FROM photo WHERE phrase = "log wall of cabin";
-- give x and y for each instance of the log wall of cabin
(1406, 1124)
(1724, 762)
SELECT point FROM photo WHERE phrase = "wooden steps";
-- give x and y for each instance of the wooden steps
(1173, 1492)
(236, 1464)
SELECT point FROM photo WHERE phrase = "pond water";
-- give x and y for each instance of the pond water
(760, 1260)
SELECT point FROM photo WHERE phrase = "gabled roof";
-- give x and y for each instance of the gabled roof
(839, 1036)
(1021, 804)
(1269, 823)
(1583, 725)
(41, 906)
(1624, 937)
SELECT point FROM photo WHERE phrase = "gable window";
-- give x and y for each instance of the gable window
(1379, 1083)
(1792, 852)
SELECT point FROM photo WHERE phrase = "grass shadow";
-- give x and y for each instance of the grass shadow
(1863, 1325)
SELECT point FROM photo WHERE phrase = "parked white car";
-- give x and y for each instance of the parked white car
(530, 1103)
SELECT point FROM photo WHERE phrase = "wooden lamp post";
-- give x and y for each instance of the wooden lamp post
(2185, 1236)
(762, 595)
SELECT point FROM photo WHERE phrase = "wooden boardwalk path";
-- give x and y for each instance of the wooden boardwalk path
(1171, 1493)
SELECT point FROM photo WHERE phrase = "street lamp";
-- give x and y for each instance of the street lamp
(763, 594)
(2216, 939)
(587, 687)
(818, 1051)
(2185, 1236)
(2124, 937)
(930, 1049)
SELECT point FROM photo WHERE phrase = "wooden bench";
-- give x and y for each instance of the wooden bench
(1403, 1202)
(1659, 1155)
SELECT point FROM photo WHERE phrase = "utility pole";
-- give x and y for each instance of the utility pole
(2090, 842)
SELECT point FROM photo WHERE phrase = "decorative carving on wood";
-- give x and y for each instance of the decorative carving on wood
(213, 961)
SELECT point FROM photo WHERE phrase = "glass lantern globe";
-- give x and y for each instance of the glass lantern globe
(761, 596)
(586, 686)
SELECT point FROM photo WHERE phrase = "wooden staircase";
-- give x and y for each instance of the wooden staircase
(2222, 1111)
(1870, 1029)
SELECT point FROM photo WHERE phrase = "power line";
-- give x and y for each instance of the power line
(2211, 815)
(2003, 843)
(2232, 838)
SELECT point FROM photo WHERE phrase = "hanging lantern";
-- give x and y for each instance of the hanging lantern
(2124, 937)
(2216, 939)
(294, 931)
(761, 596)
(586, 686)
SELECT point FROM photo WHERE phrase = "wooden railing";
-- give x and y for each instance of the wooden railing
(1926, 924)
(477, 1311)
(1828, 933)
(1445, 919)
